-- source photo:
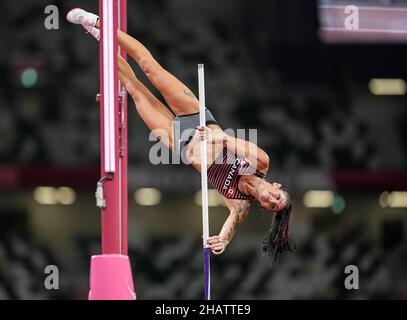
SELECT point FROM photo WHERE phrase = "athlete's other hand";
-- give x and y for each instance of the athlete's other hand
(213, 136)
(217, 244)
(201, 132)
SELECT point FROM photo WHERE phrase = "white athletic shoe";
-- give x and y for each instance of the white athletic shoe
(95, 32)
(80, 16)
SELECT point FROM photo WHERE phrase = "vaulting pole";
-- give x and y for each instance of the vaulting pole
(204, 186)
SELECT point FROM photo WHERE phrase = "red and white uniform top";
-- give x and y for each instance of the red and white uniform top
(224, 174)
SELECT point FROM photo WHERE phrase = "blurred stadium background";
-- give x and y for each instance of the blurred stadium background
(335, 130)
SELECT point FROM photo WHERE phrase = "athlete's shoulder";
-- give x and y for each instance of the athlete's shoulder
(263, 161)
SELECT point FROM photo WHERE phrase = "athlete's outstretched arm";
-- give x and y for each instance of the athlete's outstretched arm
(239, 210)
(256, 156)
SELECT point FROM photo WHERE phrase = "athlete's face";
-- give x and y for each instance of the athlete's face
(272, 197)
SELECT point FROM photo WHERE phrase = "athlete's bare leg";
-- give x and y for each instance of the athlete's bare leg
(178, 96)
(155, 115)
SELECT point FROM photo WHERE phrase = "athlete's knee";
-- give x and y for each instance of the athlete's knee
(148, 66)
(154, 72)
(130, 87)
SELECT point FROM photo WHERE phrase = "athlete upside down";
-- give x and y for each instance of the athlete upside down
(236, 168)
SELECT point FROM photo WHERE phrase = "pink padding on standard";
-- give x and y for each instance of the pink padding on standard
(110, 278)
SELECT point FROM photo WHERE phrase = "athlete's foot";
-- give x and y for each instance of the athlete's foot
(80, 16)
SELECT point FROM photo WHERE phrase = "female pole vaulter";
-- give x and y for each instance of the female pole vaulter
(236, 168)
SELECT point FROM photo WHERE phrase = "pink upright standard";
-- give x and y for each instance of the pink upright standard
(110, 273)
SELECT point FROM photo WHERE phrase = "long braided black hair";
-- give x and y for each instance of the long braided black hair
(277, 239)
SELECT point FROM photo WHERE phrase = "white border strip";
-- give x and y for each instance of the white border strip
(108, 86)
